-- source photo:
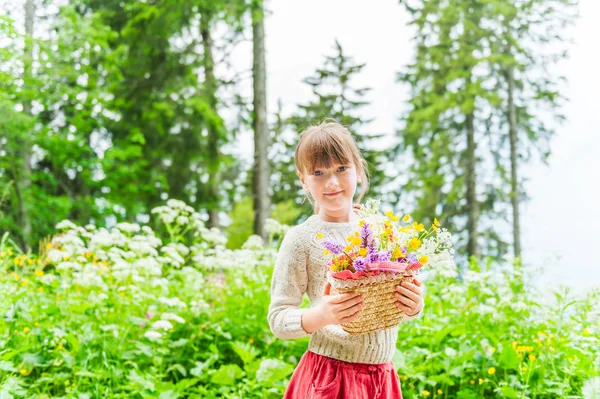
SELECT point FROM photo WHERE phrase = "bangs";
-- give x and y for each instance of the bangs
(323, 148)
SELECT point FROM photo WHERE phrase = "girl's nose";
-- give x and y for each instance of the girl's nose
(333, 180)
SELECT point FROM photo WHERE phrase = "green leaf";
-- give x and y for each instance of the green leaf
(509, 392)
(509, 358)
(245, 351)
(272, 370)
(226, 375)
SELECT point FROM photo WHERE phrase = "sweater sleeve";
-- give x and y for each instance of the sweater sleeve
(289, 283)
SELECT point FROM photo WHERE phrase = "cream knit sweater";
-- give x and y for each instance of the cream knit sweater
(301, 268)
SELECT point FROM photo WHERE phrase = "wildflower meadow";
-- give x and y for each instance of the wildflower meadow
(129, 312)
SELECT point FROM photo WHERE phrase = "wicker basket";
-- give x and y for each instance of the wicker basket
(379, 311)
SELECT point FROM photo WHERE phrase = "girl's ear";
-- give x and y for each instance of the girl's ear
(301, 177)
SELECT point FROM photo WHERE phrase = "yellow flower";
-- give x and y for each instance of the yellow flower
(397, 253)
(66, 257)
(362, 251)
(406, 218)
(361, 223)
(423, 259)
(389, 214)
(418, 226)
(491, 371)
(472, 382)
(348, 248)
(23, 372)
(586, 332)
(356, 241)
(425, 393)
(320, 235)
(492, 350)
(325, 252)
(39, 273)
(414, 243)
(26, 330)
(439, 391)
(434, 227)
(532, 357)
(49, 245)
(41, 289)
(435, 222)
(480, 381)
(37, 324)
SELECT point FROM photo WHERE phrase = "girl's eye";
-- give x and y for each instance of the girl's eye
(342, 168)
(317, 173)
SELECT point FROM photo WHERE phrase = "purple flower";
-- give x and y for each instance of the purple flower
(333, 246)
(371, 257)
(359, 264)
(411, 258)
(384, 256)
(149, 315)
(366, 234)
(381, 256)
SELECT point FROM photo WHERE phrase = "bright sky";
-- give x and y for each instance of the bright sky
(560, 221)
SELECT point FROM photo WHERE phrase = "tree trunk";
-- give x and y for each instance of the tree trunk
(472, 204)
(260, 183)
(514, 189)
(24, 177)
(210, 86)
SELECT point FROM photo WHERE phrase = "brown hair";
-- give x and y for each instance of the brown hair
(327, 143)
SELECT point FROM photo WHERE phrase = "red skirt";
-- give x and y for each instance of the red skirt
(321, 377)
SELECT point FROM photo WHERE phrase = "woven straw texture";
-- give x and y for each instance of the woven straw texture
(379, 312)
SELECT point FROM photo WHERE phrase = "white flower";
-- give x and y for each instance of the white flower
(175, 302)
(48, 278)
(172, 316)
(129, 227)
(54, 255)
(142, 247)
(101, 238)
(162, 325)
(66, 225)
(253, 242)
(153, 335)
(182, 220)
(69, 266)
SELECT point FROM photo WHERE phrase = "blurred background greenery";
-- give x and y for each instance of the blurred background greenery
(109, 109)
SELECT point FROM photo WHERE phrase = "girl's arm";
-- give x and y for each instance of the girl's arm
(289, 283)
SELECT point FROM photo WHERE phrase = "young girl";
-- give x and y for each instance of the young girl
(336, 365)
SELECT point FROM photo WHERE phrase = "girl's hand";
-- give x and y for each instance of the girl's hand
(356, 208)
(339, 309)
(410, 297)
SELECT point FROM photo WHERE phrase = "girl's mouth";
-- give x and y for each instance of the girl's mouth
(333, 194)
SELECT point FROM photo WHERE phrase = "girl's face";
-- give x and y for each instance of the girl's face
(332, 189)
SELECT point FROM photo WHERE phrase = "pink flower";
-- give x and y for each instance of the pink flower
(149, 315)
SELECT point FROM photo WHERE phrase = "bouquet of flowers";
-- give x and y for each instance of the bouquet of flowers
(382, 252)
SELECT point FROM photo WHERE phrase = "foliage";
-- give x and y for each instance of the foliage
(125, 313)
